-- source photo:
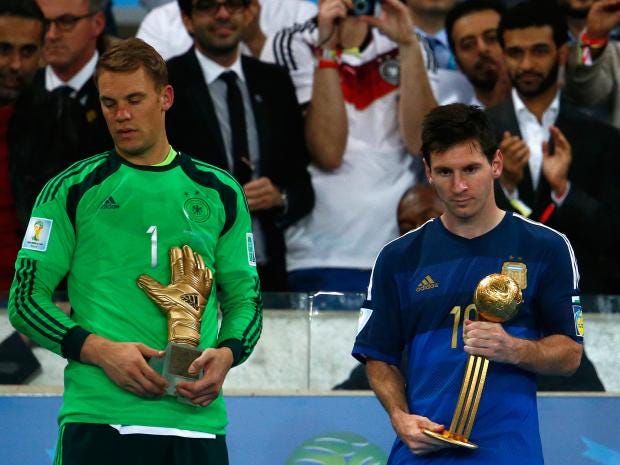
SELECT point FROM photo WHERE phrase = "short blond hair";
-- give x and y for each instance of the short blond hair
(130, 55)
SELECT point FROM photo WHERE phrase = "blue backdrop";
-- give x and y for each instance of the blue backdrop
(268, 430)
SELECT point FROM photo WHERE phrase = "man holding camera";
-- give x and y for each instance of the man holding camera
(363, 82)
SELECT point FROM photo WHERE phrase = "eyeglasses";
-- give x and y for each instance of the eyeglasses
(211, 7)
(66, 23)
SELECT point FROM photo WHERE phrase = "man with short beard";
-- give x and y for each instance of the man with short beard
(471, 28)
(560, 166)
(553, 153)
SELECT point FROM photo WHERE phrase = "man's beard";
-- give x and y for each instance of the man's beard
(545, 84)
(484, 80)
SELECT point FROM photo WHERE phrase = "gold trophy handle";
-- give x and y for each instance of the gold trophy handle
(497, 298)
(467, 406)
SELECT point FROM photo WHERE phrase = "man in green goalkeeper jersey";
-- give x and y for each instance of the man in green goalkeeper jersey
(104, 222)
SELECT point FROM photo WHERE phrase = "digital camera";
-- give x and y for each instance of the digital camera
(363, 7)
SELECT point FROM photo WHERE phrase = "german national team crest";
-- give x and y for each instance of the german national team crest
(197, 210)
(517, 271)
(390, 71)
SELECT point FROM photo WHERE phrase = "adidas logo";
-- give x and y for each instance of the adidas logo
(109, 204)
(191, 299)
(426, 284)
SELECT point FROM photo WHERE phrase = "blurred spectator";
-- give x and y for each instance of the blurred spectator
(37, 137)
(448, 83)
(560, 166)
(163, 27)
(592, 75)
(266, 150)
(471, 27)
(417, 205)
(70, 51)
(429, 18)
(364, 104)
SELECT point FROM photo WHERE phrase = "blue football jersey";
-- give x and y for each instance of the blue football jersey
(420, 293)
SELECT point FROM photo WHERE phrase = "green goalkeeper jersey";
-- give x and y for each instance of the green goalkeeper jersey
(102, 223)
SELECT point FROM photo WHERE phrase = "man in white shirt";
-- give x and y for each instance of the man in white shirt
(70, 51)
(553, 153)
(560, 165)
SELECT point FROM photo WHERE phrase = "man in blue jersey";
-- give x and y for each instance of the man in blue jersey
(420, 301)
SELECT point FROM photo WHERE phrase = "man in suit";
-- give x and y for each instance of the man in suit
(37, 137)
(559, 165)
(70, 51)
(242, 115)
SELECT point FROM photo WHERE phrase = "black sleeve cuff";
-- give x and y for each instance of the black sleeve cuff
(72, 343)
(236, 346)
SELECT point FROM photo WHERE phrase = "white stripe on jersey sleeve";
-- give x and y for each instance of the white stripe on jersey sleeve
(573, 259)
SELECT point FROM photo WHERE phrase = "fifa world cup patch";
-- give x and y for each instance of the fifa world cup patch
(37, 234)
(249, 240)
(578, 316)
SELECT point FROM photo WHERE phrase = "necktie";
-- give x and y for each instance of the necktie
(241, 157)
(65, 90)
(442, 54)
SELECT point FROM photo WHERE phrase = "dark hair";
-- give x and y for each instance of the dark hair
(466, 8)
(22, 8)
(187, 6)
(535, 13)
(449, 125)
(131, 54)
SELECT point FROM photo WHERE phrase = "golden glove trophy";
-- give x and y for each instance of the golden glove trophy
(497, 298)
(183, 301)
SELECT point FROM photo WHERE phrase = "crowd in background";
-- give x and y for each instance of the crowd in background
(320, 119)
(331, 135)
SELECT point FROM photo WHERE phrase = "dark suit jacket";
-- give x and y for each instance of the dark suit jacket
(93, 134)
(42, 140)
(193, 128)
(590, 214)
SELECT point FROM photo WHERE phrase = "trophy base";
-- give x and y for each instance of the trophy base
(451, 438)
(174, 364)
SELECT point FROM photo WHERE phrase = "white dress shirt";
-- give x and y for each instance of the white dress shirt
(52, 81)
(217, 89)
(534, 133)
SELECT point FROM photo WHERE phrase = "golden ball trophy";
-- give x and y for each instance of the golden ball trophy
(183, 302)
(497, 298)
